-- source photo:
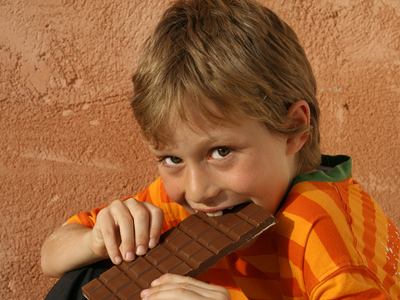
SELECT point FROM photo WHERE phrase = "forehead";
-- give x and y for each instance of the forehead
(205, 135)
(198, 114)
(202, 126)
(201, 134)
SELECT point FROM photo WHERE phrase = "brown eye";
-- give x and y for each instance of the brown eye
(171, 160)
(224, 151)
(220, 152)
(176, 160)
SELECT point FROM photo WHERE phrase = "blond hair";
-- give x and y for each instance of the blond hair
(235, 53)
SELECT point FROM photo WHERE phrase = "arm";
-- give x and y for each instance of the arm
(122, 230)
(67, 249)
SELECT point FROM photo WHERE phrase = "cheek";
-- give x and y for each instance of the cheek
(243, 179)
(173, 188)
(175, 192)
(262, 183)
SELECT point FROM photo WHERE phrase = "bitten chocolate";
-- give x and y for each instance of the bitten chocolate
(189, 249)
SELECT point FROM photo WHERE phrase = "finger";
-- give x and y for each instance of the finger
(156, 222)
(177, 279)
(183, 285)
(124, 222)
(141, 220)
(170, 294)
(107, 231)
(182, 291)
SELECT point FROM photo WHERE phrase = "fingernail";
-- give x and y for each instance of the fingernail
(155, 282)
(145, 292)
(130, 255)
(140, 250)
(153, 242)
(118, 260)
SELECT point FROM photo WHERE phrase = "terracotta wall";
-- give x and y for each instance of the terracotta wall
(68, 141)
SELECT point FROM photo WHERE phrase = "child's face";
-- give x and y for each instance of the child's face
(219, 166)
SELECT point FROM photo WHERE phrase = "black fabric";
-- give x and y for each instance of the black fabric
(69, 287)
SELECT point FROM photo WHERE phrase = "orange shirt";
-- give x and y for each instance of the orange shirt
(332, 241)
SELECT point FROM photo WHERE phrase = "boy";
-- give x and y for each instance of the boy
(225, 98)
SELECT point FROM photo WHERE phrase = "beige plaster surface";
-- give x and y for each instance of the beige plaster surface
(68, 140)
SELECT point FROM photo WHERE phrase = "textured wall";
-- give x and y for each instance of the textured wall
(68, 141)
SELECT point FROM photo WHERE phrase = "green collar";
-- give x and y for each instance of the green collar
(341, 170)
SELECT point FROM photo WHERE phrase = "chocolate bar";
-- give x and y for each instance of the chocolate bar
(189, 249)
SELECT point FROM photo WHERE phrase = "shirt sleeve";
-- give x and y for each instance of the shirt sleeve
(88, 218)
(155, 193)
(350, 283)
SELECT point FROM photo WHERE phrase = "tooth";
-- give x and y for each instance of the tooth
(215, 214)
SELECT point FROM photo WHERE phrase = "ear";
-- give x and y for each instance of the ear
(299, 114)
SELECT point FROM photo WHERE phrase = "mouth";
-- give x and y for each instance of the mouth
(214, 213)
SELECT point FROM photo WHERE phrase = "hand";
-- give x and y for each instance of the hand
(126, 228)
(177, 287)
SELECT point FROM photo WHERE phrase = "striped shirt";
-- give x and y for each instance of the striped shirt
(332, 241)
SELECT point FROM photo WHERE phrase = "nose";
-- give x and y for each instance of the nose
(200, 187)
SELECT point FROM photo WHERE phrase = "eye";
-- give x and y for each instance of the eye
(220, 152)
(171, 160)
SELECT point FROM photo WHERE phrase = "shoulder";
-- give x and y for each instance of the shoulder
(333, 198)
(330, 205)
(336, 227)
(318, 195)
